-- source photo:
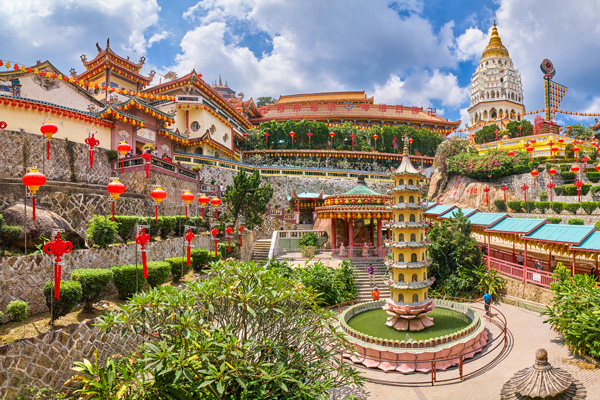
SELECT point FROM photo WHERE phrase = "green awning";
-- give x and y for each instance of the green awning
(569, 234)
(518, 226)
(486, 219)
(439, 209)
(590, 243)
(452, 213)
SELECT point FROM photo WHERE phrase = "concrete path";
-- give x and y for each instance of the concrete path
(526, 334)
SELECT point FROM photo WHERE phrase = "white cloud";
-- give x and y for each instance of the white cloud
(157, 37)
(470, 44)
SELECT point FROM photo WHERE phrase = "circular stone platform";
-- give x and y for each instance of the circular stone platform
(408, 355)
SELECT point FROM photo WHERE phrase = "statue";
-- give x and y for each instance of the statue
(359, 232)
(343, 251)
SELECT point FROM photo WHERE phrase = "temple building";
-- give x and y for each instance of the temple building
(336, 108)
(496, 90)
(409, 303)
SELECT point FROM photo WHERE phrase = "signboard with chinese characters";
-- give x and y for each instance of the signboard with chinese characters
(147, 134)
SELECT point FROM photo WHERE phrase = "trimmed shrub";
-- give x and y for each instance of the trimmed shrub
(568, 177)
(515, 206)
(528, 206)
(541, 168)
(593, 176)
(500, 205)
(554, 220)
(595, 190)
(559, 190)
(557, 207)
(542, 206)
(93, 284)
(571, 207)
(167, 226)
(179, 224)
(178, 267)
(155, 227)
(222, 248)
(564, 167)
(575, 221)
(543, 195)
(197, 221)
(597, 225)
(589, 206)
(70, 296)
(585, 189)
(102, 231)
(158, 272)
(112, 155)
(125, 225)
(521, 169)
(570, 190)
(10, 233)
(200, 259)
(534, 165)
(124, 279)
(17, 310)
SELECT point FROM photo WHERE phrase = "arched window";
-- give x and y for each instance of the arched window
(401, 199)
(411, 199)
(415, 298)
(401, 237)
(425, 275)
(401, 218)
(401, 182)
(414, 278)
(413, 257)
(400, 277)
(420, 217)
(422, 256)
(410, 181)
(401, 297)
(493, 114)
(412, 217)
(413, 237)
(401, 257)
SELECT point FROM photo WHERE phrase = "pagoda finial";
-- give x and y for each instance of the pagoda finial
(220, 83)
(494, 23)
(405, 150)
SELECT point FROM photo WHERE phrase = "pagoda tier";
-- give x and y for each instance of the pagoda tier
(407, 263)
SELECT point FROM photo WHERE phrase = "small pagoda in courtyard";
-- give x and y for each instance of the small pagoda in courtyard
(407, 264)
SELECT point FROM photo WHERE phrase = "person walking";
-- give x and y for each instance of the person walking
(487, 300)
(538, 265)
(375, 293)
(520, 259)
(371, 272)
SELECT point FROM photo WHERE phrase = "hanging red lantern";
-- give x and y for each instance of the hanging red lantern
(554, 150)
(115, 188)
(92, 142)
(215, 232)
(332, 135)
(229, 231)
(34, 179)
(597, 167)
(585, 159)
(524, 188)
(534, 174)
(123, 148)
(504, 189)
(575, 169)
(48, 129)
(215, 202)
(189, 237)
(550, 186)
(57, 248)
(147, 157)
(375, 137)
(511, 155)
(143, 239)
(579, 184)
(576, 150)
(520, 130)
(158, 195)
(267, 134)
(241, 229)
(309, 134)
(203, 200)
(352, 136)
(533, 141)
(496, 132)
(530, 151)
(552, 171)
(486, 190)
(187, 197)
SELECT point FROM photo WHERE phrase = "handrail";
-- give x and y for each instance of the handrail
(273, 245)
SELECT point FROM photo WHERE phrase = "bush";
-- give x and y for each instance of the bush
(200, 259)
(178, 267)
(125, 225)
(102, 231)
(10, 233)
(93, 283)
(490, 166)
(557, 207)
(17, 310)
(158, 272)
(112, 155)
(500, 205)
(571, 207)
(554, 220)
(543, 195)
(521, 169)
(167, 225)
(575, 221)
(179, 224)
(597, 225)
(70, 296)
(528, 206)
(568, 177)
(515, 206)
(559, 190)
(542, 206)
(309, 239)
(155, 226)
(564, 167)
(541, 168)
(595, 190)
(125, 282)
(593, 176)
(589, 206)
(222, 248)
(585, 189)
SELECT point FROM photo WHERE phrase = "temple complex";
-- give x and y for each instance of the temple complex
(409, 303)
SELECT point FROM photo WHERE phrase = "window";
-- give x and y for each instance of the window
(401, 297)
(401, 237)
(401, 218)
(414, 278)
(413, 258)
(413, 237)
(401, 199)
(410, 181)
(401, 181)
(400, 257)
(400, 277)
(411, 199)
(195, 126)
(412, 218)
(425, 275)
(415, 298)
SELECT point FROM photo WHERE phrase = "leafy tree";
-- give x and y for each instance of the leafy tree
(580, 132)
(513, 128)
(486, 134)
(264, 100)
(242, 333)
(247, 199)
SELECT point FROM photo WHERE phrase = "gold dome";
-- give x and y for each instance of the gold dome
(495, 46)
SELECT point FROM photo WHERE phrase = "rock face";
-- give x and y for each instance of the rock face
(45, 222)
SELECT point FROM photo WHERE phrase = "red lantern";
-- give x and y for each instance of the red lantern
(34, 179)
(597, 167)
(530, 151)
(504, 189)
(115, 188)
(552, 171)
(187, 197)
(57, 248)
(375, 137)
(241, 229)
(524, 188)
(229, 231)
(486, 190)
(585, 159)
(575, 169)
(309, 134)
(554, 150)
(143, 239)
(147, 158)
(48, 129)
(534, 174)
(215, 232)
(533, 141)
(520, 130)
(189, 237)
(496, 132)
(158, 195)
(92, 142)
(332, 135)
(215, 202)
(511, 155)
(352, 136)
(203, 200)
(576, 150)
(123, 148)
(550, 186)
(267, 134)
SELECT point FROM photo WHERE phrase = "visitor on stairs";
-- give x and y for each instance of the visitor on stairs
(371, 272)
(375, 294)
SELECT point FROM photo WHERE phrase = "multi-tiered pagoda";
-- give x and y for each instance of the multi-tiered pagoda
(409, 304)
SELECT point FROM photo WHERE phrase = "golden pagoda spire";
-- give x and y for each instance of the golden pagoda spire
(495, 46)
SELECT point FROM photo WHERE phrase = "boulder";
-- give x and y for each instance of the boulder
(45, 222)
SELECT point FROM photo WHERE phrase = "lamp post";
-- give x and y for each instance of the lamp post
(504, 189)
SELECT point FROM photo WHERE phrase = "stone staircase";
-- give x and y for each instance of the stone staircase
(363, 286)
(261, 250)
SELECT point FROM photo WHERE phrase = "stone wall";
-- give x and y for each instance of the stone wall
(533, 293)
(45, 361)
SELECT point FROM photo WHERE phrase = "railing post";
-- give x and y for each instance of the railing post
(460, 366)
(432, 373)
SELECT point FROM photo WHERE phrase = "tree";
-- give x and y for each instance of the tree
(513, 128)
(262, 101)
(486, 134)
(580, 132)
(243, 333)
(246, 198)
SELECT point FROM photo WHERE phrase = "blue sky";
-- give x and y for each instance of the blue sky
(409, 52)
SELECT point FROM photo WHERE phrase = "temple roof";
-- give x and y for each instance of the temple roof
(568, 234)
(326, 97)
(495, 46)
(306, 195)
(406, 167)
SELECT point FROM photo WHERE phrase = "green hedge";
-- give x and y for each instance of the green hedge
(589, 206)
(10, 233)
(222, 247)
(178, 267)
(554, 220)
(575, 221)
(595, 190)
(515, 206)
(93, 283)
(17, 310)
(500, 205)
(528, 206)
(124, 279)
(571, 190)
(167, 226)
(202, 257)
(593, 176)
(571, 207)
(542, 206)
(557, 207)
(521, 169)
(102, 231)
(565, 167)
(158, 272)
(70, 296)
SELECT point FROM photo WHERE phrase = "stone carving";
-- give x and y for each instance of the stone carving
(165, 147)
(124, 134)
(46, 82)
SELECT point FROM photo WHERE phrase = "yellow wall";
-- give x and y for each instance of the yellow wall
(408, 294)
(206, 121)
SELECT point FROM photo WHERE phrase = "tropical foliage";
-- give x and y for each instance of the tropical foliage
(247, 199)
(491, 166)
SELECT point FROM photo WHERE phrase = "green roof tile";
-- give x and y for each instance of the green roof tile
(571, 234)
(452, 213)
(485, 219)
(517, 225)
(362, 190)
(439, 209)
(592, 242)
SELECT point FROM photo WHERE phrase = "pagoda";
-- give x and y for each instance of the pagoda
(409, 303)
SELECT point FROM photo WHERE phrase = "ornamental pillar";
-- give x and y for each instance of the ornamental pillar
(350, 237)
(379, 238)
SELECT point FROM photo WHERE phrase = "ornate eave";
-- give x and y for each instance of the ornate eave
(408, 265)
(406, 245)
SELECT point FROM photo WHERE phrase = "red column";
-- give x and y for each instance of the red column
(350, 237)
(373, 231)
(379, 238)
(525, 266)
(333, 236)
(573, 266)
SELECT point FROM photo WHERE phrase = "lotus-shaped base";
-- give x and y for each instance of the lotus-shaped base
(407, 317)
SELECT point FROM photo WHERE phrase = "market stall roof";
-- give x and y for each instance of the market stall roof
(567, 234)
(590, 243)
(516, 226)
(452, 213)
(438, 210)
(483, 219)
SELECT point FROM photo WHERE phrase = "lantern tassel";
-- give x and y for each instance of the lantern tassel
(48, 149)
(91, 159)
(215, 246)
(33, 202)
(186, 213)
(156, 212)
(202, 212)
(228, 243)
(189, 255)
(113, 210)
(147, 170)
(57, 271)
(144, 264)
(123, 166)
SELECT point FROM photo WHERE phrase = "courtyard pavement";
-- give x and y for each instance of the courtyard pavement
(526, 334)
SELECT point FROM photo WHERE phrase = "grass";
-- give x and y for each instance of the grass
(373, 323)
